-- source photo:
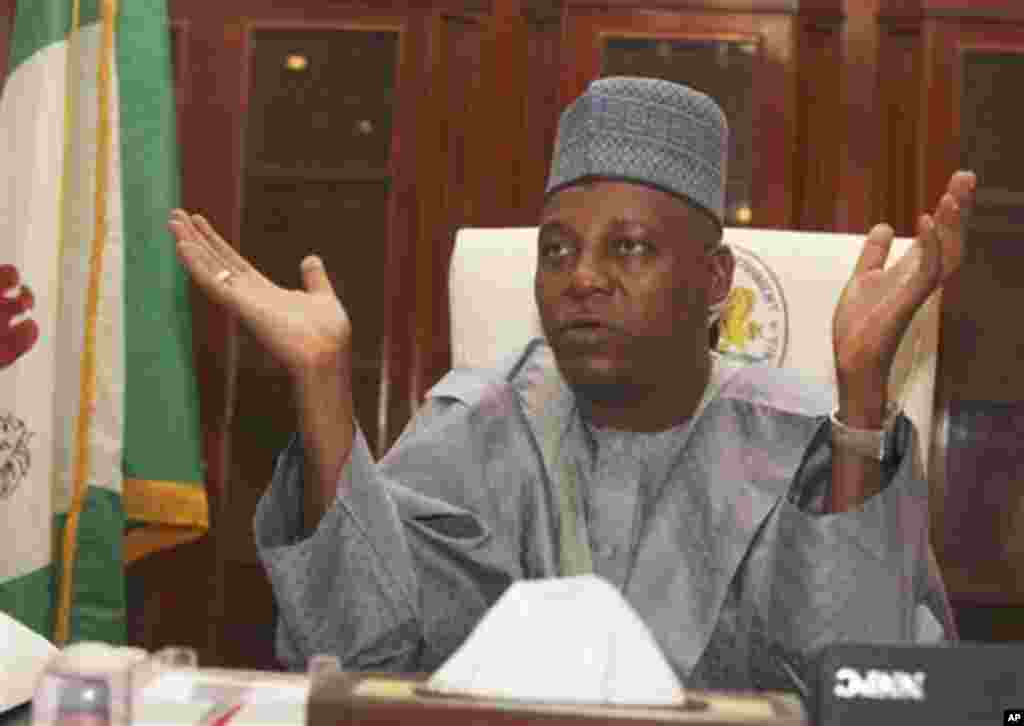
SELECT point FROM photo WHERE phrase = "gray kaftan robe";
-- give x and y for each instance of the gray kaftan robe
(713, 530)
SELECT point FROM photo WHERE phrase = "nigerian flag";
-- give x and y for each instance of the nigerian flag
(99, 457)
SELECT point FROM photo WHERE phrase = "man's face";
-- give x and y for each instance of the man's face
(624, 279)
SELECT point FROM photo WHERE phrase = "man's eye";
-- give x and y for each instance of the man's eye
(632, 247)
(555, 251)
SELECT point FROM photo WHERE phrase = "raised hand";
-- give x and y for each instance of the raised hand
(15, 340)
(302, 329)
(877, 305)
(308, 331)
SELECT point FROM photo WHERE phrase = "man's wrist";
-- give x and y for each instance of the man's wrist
(863, 405)
(873, 440)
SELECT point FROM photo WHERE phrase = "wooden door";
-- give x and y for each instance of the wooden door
(955, 69)
(748, 62)
(484, 154)
(978, 535)
(289, 146)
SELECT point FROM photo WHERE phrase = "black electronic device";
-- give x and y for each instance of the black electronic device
(957, 683)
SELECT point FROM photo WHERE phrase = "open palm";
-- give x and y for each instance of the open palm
(878, 303)
(298, 327)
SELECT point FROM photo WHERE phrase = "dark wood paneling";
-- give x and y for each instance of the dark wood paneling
(401, 368)
(857, 127)
(977, 9)
(174, 595)
(212, 161)
(723, 69)
(246, 636)
(170, 598)
(302, 120)
(542, 110)
(989, 623)
(320, 177)
(447, 198)
(732, 6)
(774, 133)
(820, 127)
(500, 137)
(938, 118)
(464, 182)
(896, 181)
(979, 542)
(317, 180)
(7, 9)
(982, 66)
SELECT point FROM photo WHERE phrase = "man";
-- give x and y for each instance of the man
(745, 524)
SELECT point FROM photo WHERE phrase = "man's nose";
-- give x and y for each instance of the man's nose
(590, 274)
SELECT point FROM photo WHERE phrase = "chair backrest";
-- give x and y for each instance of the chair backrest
(785, 290)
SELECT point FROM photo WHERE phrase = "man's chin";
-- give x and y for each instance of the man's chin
(597, 383)
(609, 393)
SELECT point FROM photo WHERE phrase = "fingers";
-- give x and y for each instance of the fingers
(962, 186)
(224, 251)
(181, 225)
(204, 267)
(948, 233)
(210, 260)
(314, 276)
(194, 229)
(921, 268)
(876, 249)
(951, 216)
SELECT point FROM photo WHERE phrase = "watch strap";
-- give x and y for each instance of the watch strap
(872, 443)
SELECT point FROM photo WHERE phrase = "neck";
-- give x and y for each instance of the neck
(646, 408)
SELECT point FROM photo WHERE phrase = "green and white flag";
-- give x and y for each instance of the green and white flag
(99, 457)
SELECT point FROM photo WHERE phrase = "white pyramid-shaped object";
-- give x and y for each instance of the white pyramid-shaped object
(23, 656)
(565, 640)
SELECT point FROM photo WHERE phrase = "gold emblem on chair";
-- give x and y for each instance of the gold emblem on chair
(754, 326)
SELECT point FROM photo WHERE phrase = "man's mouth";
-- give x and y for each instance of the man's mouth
(586, 332)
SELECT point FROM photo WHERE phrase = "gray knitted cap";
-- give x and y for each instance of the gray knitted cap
(649, 131)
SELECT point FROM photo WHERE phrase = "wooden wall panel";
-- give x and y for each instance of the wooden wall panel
(471, 123)
(176, 596)
(774, 133)
(500, 133)
(7, 9)
(543, 33)
(858, 126)
(820, 123)
(938, 119)
(448, 199)
(326, 171)
(895, 197)
(981, 386)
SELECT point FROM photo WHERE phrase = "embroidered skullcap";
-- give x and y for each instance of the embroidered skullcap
(649, 131)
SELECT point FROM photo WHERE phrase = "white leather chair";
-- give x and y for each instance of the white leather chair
(780, 311)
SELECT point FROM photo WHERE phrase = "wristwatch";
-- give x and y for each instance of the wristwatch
(872, 443)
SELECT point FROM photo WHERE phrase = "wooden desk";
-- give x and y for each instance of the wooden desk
(385, 700)
(389, 700)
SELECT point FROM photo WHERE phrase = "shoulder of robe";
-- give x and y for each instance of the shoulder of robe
(473, 386)
(782, 389)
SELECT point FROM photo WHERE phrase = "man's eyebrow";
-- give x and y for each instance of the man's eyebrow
(552, 226)
(643, 225)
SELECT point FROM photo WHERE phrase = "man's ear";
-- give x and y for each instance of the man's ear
(722, 266)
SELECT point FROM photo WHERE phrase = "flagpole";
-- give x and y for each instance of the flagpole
(87, 397)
